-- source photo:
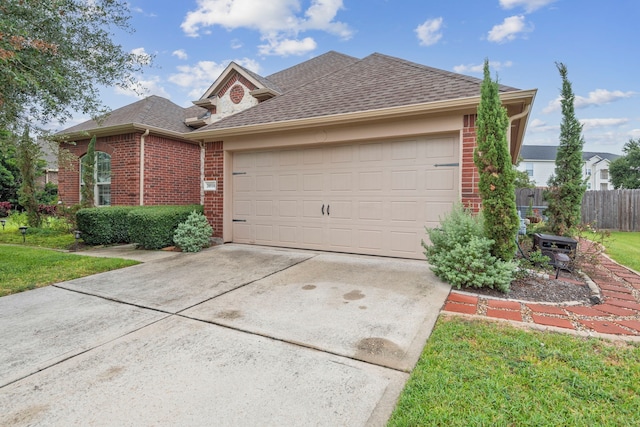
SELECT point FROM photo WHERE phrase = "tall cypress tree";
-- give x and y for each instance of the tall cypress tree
(88, 175)
(28, 153)
(497, 174)
(566, 185)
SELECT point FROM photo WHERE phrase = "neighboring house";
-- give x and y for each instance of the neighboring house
(539, 161)
(336, 153)
(50, 175)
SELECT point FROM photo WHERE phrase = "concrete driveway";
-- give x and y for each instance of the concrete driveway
(234, 335)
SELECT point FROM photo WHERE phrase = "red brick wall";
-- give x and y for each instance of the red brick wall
(213, 200)
(124, 153)
(172, 172)
(470, 177)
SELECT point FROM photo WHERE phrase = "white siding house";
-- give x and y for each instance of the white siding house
(539, 162)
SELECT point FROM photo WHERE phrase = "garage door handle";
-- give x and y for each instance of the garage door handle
(323, 209)
(328, 210)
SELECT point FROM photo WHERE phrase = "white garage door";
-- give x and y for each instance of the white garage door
(367, 198)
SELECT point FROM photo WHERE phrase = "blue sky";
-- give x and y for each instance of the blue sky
(194, 40)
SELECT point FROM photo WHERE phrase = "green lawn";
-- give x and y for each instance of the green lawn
(23, 268)
(40, 237)
(476, 373)
(624, 247)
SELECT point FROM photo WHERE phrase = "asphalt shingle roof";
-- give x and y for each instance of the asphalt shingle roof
(152, 111)
(548, 152)
(377, 81)
(310, 70)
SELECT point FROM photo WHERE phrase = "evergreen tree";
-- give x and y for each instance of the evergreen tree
(28, 154)
(497, 174)
(9, 170)
(566, 186)
(88, 175)
(625, 170)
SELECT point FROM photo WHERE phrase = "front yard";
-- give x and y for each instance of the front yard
(477, 373)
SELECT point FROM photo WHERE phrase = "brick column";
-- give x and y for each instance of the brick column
(470, 177)
(213, 200)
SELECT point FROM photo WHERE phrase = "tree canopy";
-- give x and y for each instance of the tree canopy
(625, 170)
(55, 55)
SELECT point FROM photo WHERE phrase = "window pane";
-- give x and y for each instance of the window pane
(103, 168)
(104, 195)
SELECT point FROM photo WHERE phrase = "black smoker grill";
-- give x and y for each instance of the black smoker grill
(561, 250)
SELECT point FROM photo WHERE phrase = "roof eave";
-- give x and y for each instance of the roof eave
(121, 129)
(524, 96)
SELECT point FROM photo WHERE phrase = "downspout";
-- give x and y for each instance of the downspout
(202, 153)
(142, 140)
(516, 117)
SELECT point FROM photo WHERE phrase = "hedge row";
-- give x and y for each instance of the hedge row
(151, 227)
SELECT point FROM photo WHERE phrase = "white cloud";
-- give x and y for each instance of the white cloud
(479, 68)
(429, 33)
(180, 54)
(509, 29)
(596, 97)
(144, 87)
(598, 123)
(601, 96)
(279, 22)
(199, 77)
(528, 5)
(236, 44)
(538, 126)
(143, 57)
(634, 133)
(286, 47)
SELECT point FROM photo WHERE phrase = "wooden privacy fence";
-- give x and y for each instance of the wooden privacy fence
(610, 210)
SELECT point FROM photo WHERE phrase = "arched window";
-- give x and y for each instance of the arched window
(102, 178)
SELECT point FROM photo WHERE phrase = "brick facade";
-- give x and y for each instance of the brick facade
(172, 171)
(213, 200)
(470, 176)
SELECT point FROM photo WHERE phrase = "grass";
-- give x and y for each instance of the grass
(52, 235)
(477, 373)
(24, 268)
(624, 247)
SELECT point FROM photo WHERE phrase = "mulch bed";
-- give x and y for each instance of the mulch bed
(539, 289)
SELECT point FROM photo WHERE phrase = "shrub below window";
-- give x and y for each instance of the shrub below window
(460, 254)
(193, 234)
(152, 227)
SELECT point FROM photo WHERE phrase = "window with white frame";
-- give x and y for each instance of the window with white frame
(529, 168)
(604, 174)
(102, 179)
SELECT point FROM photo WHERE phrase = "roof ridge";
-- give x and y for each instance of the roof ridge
(453, 74)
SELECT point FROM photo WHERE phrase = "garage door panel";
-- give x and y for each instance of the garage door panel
(288, 208)
(441, 179)
(370, 152)
(288, 182)
(340, 210)
(264, 183)
(377, 197)
(313, 182)
(370, 181)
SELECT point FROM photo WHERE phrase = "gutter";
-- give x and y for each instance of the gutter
(142, 141)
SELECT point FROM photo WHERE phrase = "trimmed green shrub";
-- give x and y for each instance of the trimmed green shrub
(193, 234)
(104, 226)
(152, 227)
(460, 254)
